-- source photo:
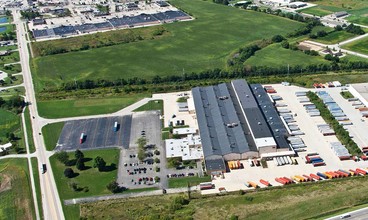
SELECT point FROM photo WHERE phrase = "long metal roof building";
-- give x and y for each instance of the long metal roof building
(274, 121)
(231, 125)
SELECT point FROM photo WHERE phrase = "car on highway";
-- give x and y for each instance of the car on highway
(43, 168)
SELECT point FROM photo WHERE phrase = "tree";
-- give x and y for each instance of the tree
(113, 187)
(99, 163)
(80, 164)
(157, 160)
(68, 172)
(338, 28)
(78, 154)
(157, 179)
(321, 33)
(157, 152)
(277, 38)
(62, 156)
(11, 136)
(285, 44)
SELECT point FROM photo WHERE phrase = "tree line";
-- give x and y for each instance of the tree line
(341, 133)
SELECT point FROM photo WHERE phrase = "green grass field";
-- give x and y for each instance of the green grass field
(93, 179)
(9, 122)
(27, 118)
(276, 56)
(51, 133)
(90, 106)
(300, 201)
(360, 46)
(183, 182)
(36, 177)
(11, 58)
(8, 93)
(12, 47)
(11, 69)
(152, 105)
(195, 45)
(15, 196)
(320, 10)
(359, 16)
(335, 37)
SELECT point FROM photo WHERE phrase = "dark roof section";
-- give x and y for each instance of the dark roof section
(274, 121)
(218, 121)
(217, 164)
(248, 103)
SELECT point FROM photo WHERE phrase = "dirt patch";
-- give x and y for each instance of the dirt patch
(5, 183)
(310, 46)
(365, 15)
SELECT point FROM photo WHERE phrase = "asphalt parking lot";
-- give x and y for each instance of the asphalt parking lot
(132, 173)
(99, 133)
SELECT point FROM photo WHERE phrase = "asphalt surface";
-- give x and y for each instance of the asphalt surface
(98, 133)
(360, 214)
(130, 170)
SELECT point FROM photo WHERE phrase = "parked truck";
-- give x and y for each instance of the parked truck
(81, 139)
(116, 125)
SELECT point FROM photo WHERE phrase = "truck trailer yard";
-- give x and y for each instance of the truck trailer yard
(316, 144)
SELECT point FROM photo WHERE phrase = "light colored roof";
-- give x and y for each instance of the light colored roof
(182, 131)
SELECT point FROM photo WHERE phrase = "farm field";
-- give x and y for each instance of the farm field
(360, 46)
(276, 56)
(301, 201)
(335, 37)
(16, 197)
(86, 179)
(90, 106)
(51, 133)
(197, 45)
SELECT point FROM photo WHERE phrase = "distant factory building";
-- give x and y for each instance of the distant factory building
(340, 14)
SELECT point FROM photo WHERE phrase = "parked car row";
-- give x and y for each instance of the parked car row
(180, 175)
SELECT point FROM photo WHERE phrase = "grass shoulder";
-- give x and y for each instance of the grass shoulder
(36, 178)
(152, 105)
(184, 181)
(51, 133)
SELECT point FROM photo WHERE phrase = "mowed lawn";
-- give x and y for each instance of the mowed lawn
(197, 45)
(276, 56)
(300, 201)
(51, 133)
(90, 178)
(87, 106)
(16, 200)
(360, 46)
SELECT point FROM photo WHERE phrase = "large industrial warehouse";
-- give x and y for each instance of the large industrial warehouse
(233, 125)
